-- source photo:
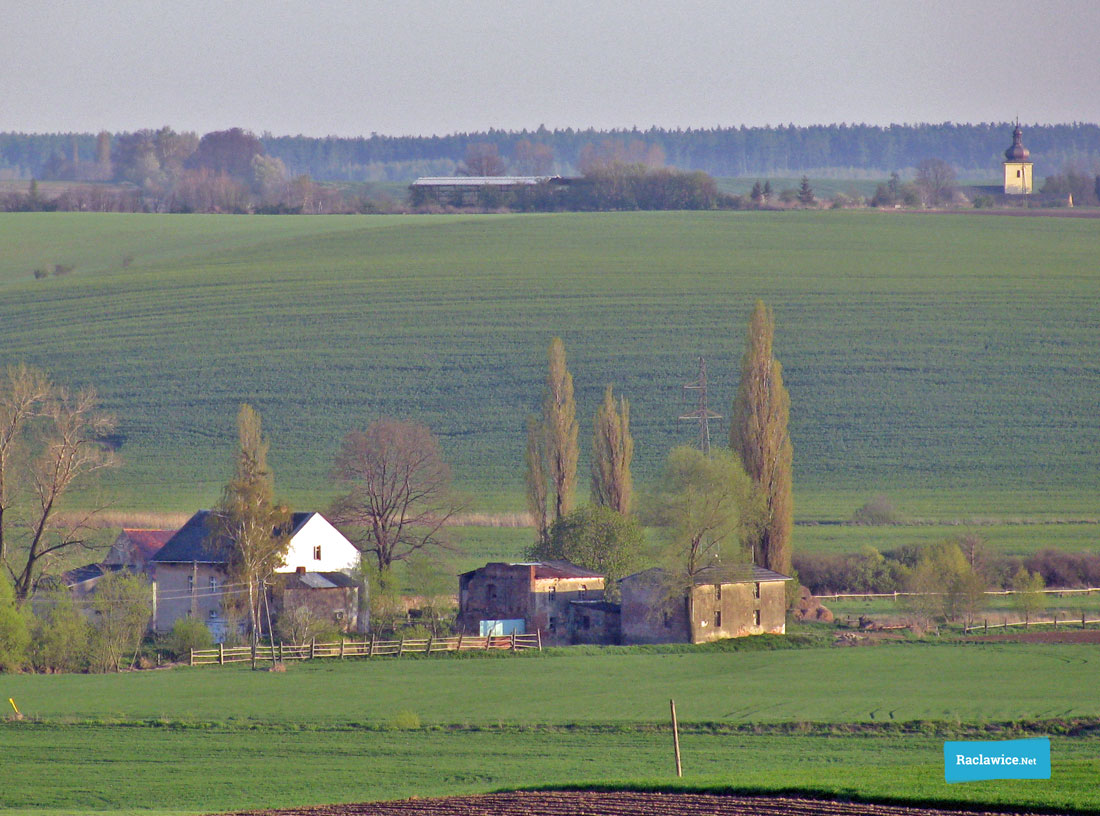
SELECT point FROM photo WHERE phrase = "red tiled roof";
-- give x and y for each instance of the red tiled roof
(148, 542)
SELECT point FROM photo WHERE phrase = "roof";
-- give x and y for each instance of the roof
(148, 542)
(481, 181)
(547, 569)
(192, 541)
(737, 574)
(87, 573)
(723, 574)
(320, 580)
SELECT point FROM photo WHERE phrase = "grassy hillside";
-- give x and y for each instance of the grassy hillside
(946, 360)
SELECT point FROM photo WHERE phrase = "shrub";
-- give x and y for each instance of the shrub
(15, 634)
(40, 273)
(61, 635)
(404, 720)
(879, 510)
(188, 634)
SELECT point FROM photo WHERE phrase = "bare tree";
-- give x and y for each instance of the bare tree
(399, 491)
(51, 439)
(483, 159)
(936, 182)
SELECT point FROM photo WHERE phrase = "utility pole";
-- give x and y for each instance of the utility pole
(702, 413)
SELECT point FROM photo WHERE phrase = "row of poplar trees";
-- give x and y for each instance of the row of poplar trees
(758, 436)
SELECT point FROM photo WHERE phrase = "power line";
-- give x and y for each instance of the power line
(702, 413)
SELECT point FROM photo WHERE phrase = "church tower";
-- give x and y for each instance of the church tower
(1017, 165)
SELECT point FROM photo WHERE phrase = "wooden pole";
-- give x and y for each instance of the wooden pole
(192, 657)
(341, 648)
(676, 738)
(538, 632)
(221, 654)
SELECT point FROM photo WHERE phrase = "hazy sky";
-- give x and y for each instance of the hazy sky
(350, 68)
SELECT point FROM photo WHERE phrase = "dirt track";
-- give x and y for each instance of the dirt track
(569, 803)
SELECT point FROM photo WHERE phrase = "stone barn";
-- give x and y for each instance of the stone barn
(500, 599)
(724, 602)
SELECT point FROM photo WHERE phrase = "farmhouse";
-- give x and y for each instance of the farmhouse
(499, 599)
(190, 571)
(724, 602)
(133, 548)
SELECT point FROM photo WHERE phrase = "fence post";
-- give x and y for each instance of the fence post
(538, 632)
(1082, 619)
(488, 641)
(341, 648)
(401, 647)
(192, 657)
(430, 639)
(312, 648)
(513, 641)
(1055, 621)
(1027, 620)
(459, 649)
(370, 652)
(221, 654)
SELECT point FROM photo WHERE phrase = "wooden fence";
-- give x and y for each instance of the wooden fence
(1059, 591)
(1068, 622)
(280, 652)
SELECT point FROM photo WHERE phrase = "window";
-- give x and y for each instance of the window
(213, 584)
(717, 592)
(490, 593)
(718, 620)
(190, 583)
(553, 593)
(584, 591)
(668, 620)
(756, 617)
(585, 622)
(213, 613)
(553, 623)
(317, 553)
(756, 590)
(1017, 174)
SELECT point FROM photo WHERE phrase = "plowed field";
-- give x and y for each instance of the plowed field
(571, 803)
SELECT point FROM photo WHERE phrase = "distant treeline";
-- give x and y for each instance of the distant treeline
(786, 150)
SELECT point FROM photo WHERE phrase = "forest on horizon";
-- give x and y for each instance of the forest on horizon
(838, 150)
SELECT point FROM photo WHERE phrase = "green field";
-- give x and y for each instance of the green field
(948, 361)
(195, 740)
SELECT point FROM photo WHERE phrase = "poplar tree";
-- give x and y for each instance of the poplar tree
(758, 434)
(559, 413)
(612, 452)
(247, 522)
(551, 456)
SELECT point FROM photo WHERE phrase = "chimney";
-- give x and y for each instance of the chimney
(301, 570)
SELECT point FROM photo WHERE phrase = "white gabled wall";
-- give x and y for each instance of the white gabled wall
(337, 553)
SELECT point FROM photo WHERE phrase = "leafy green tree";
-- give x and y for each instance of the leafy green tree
(757, 194)
(596, 538)
(936, 182)
(1029, 597)
(247, 522)
(947, 585)
(758, 435)
(537, 477)
(707, 508)
(767, 191)
(62, 634)
(15, 634)
(433, 582)
(612, 453)
(123, 604)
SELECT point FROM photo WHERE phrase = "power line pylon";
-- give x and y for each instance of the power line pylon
(702, 413)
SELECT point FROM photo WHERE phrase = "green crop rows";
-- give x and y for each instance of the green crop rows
(948, 360)
(221, 738)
